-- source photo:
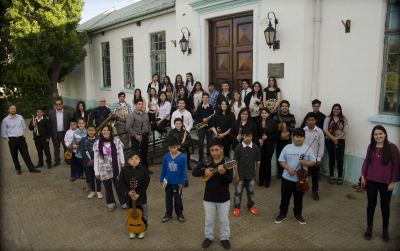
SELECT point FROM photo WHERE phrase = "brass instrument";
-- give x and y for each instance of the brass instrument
(204, 124)
(261, 106)
(106, 121)
(123, 111)
(271, 104)
(218, 131)
(35, 129)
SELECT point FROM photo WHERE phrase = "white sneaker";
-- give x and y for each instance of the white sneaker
(91, 195)
(132, 235)
(142, 235)
(99, 195)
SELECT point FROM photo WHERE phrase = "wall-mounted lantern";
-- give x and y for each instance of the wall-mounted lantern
(184, 44)
(270, 33)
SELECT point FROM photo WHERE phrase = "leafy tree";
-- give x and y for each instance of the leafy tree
(42, 48)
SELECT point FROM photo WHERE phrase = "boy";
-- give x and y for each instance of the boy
(141, 173)
(246, 154)
(246, 89)
(213, 94)
(225, 94)
(42, 138)
(68, 141)
(77, 137)
(202, 113)
(313, 131)
(87, 144)
(174, 171)
(316, 105)
(216, 194)
(289, 159)
(179, 134)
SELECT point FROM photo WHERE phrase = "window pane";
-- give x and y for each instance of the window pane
(395, 7)
(394, 43)
(393, 63)
(391, 82)
(394, 20)
(390, 103)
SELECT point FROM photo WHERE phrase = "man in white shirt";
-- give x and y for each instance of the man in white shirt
(245, 88)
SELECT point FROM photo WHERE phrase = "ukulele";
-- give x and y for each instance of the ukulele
(135, 223)
(68, 153)
(227, 165)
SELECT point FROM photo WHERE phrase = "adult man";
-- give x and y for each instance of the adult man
(245, 88)
(138, 126)
(13, 130)
(122, 109)
(213, 94)
(59, 124)
(100, 113)
(202, 114)
(225, 94)
(316, 105)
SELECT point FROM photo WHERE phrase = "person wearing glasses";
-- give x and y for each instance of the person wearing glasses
(100, 113)
(316, 105)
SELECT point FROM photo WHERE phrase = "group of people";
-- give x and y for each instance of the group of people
(253, 123)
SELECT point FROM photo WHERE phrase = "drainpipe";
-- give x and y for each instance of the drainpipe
(91, 70)
(317, 34)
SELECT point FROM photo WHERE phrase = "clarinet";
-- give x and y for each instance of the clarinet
(240, 128)
(141, 133)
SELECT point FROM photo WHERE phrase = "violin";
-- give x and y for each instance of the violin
(282, 127)
(334, 127)
(302, 184)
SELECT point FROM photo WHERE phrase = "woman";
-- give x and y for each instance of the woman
(237, 104)
(138, 95)
(154, 84)
(81, 111)
(178, 85)
(108, 161)
(380, 172)
(335, 141)
(272, 92)
(166, 81)
(152, 105)
(183, 94)
(242, 123)
(267, 131)
(170, 97)
(253, 100)
(189, 82)
(163, 110)
(221, 125)
(196, 96)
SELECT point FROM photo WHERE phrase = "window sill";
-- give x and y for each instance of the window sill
(128, 90)
(385, 119)
(105, 88)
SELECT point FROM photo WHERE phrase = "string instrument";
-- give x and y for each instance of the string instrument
(135, 223)
(227, 165)
(334, 127)
(68, 153)
(302, 184)
(282, 125)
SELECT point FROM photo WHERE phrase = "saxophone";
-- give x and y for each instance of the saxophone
(106, 121)
(204, 124)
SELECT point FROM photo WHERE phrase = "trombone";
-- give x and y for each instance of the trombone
(35, 129)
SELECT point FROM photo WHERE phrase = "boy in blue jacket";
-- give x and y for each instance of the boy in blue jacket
(174, 171)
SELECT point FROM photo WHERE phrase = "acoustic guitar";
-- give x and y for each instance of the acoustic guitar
(228, 165)
(68, 153)
(135, 223)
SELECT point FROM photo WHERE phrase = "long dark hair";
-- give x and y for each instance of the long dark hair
(250, 121)
(140, 95)
(158, 80)
(341, 116)
(386, 151)
(172, 87)
(259, 93)
(194, 89)
(191, 75)
(155, 94)
(233, 98)
(77, 112)
(228, 108)
(185, 95)
(159, 98)
(269, 123)
(275, 85)
(109, 128)
(163, 82)
(177, 87)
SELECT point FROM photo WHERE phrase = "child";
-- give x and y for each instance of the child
(179, 134)
(174, 171)
(135, 170)
(202, 113)
(78, 136)
(289, 160)
(87, 144)
(68, 141)
(42, 138)
(313, 131)
(216, 194)
(246, 154)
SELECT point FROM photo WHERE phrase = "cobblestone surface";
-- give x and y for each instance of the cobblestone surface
(48, 212)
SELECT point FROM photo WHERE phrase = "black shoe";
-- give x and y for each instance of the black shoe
(385, 235)
(166, 218)
(150, 172)
(280, 218)
(260, 183)
(186, 183)
(38, 165)
(72, 179)
(181, 218)
(315, 195)
(189, 167)
(368, 233)
(19, 172)
(300, 219)
(206, 243)
(319, 178)
(266, 184)
(34, 170)
(49, 166)
(279, 176)
(56, 164)
(81, 177)
(226, 244)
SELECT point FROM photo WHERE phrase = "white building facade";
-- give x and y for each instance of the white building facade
(359, 69)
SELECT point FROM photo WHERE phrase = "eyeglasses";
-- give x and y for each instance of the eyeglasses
(336, 109)
(102, 101)
(58, 104)
(315, 106)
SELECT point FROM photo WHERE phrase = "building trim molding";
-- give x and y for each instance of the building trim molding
(209, 6)
(381, 119)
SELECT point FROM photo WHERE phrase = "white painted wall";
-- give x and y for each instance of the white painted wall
(74, 84)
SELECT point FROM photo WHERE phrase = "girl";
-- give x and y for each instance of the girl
(272, 92)
(108, 161)
(138, 95)
(335, 140)
(81, 111)
(236, 104)
(165, 83)
(170, 97)
(242, 123)
(183, 95)
(196, 96)
(154, 84)
(221, 124)
(253, 100)
(267, 131)
(189, 82)
(152, 104)
(163, 110)
(178, 85)
(380, 171)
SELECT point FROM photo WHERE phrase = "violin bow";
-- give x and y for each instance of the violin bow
(307, 150)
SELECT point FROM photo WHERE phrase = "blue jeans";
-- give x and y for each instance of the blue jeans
(173, 191)
(223, 212)
(249, 184)
(76, 166)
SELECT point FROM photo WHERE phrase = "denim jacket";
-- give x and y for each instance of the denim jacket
(86, 143)
(78, 136)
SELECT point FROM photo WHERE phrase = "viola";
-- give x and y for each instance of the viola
(302, 184)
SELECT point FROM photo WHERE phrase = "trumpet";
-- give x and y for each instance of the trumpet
(35, 129)
(204, 124)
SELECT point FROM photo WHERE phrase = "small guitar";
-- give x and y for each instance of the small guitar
(135, 223)
(228, 165)
(68, 153)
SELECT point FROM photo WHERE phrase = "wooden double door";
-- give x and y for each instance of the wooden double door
(231, 51)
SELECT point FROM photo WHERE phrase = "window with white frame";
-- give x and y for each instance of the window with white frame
(391, 62)
(157, 54)
(105, 55)
(127, 57)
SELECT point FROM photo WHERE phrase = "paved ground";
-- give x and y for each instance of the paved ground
(48, 212)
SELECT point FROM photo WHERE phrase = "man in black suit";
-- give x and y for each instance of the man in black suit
(59, 122)
(100, 113)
